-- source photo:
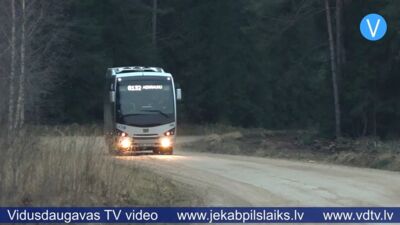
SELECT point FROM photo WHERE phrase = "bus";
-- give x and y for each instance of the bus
(140, 110)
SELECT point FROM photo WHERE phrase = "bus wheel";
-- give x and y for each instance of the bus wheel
(156, 151)
(114, 153)
(169, 152)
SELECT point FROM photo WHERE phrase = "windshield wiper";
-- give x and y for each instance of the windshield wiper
(132, 114)
(156, 111)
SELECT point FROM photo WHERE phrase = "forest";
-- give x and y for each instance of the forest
(246, 63)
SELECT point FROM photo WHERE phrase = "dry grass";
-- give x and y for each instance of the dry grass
(63, 170)
(205, 129)
(299, 145)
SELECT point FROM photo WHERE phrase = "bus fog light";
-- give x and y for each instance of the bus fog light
(165, 142)
(125, 142)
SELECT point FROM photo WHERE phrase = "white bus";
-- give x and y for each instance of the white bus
(140, 110)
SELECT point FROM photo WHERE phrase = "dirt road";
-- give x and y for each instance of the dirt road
(228, 180)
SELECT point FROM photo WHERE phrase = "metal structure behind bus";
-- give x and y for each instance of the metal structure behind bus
(140, 110)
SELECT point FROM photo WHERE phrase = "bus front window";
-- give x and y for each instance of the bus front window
(143, 101)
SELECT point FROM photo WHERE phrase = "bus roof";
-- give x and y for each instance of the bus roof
(135, 69)
(132, 74)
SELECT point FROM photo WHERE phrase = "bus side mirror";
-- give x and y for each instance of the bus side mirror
(178, 94)
(112, 96)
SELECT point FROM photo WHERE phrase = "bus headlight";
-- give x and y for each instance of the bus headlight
(165, 142)
(170, 132)
(125, 142)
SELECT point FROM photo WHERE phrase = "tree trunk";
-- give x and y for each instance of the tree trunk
(364, 124)
(20, 120)
(339, 36)
(333, 70)
(21, 89)
(154, 24)
(374, 119)
(11, 110)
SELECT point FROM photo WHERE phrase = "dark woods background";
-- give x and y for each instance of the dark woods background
(248, 63)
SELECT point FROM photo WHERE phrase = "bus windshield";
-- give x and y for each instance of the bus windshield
(145, 101)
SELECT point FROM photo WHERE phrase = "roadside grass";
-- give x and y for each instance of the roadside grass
(204, 129)
(299, 145)
(75, 170)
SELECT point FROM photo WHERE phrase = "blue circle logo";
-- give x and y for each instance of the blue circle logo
(373, 27)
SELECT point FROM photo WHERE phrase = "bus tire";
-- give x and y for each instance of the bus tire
(114, 152)
(156, 151)
(169, 152)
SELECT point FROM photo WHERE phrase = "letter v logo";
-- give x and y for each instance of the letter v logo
(373, 33)
(373, 27)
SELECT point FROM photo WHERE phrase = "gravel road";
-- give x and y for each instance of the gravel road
(226, 180)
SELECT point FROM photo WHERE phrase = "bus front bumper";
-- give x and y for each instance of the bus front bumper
(132, 144)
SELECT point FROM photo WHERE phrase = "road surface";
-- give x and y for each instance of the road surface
(226, 180)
